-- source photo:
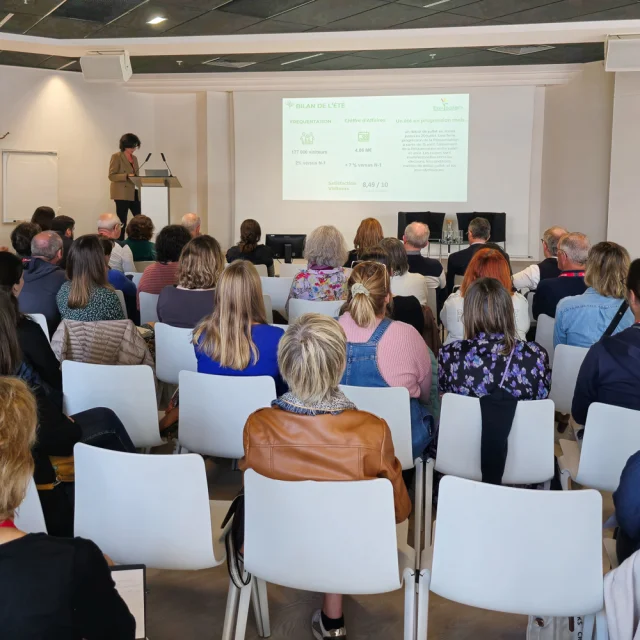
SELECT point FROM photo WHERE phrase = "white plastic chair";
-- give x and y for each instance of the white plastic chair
(284, 544)
(42, 321)
(392, 405)
(262, 270)
(143, 264)
(135, 276)
(214, 410)
(123, 304)
(494, 549)
(148, 307)
(530, 296)
(282, 326)
(432, 301)
(29, 517)
(299, 307)
(566, 366)
(289, 270)
(174, 352)
(127, 390)
(268, 308)
(278, 289)
(544, 334)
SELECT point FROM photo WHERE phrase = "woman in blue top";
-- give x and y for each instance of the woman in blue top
(236, 340)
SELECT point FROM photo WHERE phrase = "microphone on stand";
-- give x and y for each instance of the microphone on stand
(145, 162)
(168, 167)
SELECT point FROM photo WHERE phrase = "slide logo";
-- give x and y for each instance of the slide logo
(445, 106)
(307, 138)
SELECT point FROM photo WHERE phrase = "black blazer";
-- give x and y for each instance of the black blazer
(459, 261)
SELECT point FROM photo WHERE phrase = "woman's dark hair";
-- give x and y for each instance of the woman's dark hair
(377, 254)
(10, 353)
(250, 233)
(107, 245)
(43, 217)
(633, 279)
(10, 270)
(22, 236)
(170, 242)
(129, 141)
(87, 270)
(140, 228)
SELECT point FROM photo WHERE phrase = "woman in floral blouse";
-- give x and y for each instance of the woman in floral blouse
(491, 354)
(324, 278)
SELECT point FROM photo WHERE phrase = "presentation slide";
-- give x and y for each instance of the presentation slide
(376, 148)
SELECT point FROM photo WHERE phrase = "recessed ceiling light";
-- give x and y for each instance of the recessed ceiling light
(521, 51)
(315, 55)
(6, 19)
(67, 64)
(433, 4)
(156, 20)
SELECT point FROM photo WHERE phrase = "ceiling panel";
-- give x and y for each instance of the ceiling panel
(55, 62)
(629, 12)
(17, 59)
(385, 53)
(440, 6)
(175, 15)
(275, 26)
(54, 27)
(382, 17)
(442, 19)
(337, 64)
(213, 23)
(18, 23)
(263, 8)
(34, 7)
(564, 10)
(486, 9)
(102, 11)
(322, 12)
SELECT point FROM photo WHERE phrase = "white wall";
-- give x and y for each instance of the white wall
(576, 153)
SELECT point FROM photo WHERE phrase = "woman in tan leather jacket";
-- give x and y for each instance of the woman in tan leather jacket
(315, 433)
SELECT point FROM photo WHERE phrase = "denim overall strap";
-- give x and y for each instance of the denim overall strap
(379, 332)
(362, 366)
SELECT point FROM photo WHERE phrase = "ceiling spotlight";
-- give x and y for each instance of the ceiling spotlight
(156, 20)
(179, 62)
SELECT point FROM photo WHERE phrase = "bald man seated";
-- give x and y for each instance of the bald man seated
(191, 222)
(530, 277)
(109, 226)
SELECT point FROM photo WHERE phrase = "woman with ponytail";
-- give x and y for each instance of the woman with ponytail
(249, 249)
(385, 353)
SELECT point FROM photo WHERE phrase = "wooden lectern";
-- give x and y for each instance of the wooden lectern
(154, 197)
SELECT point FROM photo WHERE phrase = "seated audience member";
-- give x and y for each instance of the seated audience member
(478, 234)
(54, 587)
(164, 272)
(87, 296)
(627, 503)
(610, 372)
(582, 320)
(236, 340)
(385, 353)
(486, 263)
(64, 226)
(21, 238)
(416, 238)
(25, 352)
(43, 217)
(249, 249)
(573, 249)
(324, 278)
(404, 283)
(139, 233)
(530, 277)
(318, 434)
(491, 355)
(109, 226)
(200, 266)
(120, 282)
(43, 278)
(191, 222)
(369, 235)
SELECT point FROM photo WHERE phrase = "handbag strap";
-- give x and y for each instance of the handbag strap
(616, 319)
(506, 370)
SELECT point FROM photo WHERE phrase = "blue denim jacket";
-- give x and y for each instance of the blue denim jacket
(581, 320)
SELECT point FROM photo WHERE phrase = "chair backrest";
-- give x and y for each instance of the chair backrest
(262, 270)
(136, 276)
(497, 548)
(299, 307)
(214, 410)
(143, 264)
(392, 405)
(290, 269)
(278, 289)
(282, 326)
(530, 456)
(42, 321)
(566, 366)
(611, 437)
(123, 304)
(29, 517)
(432, 301)
(174, 352)
(268, 308)
(544, 334)
(129, 391)
(284, 544)
(151, 510)
(530, 296)
(457, 281)
(148, 307)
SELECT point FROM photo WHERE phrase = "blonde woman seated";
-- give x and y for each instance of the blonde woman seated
(53, 587)
(486, 263)
(186, 303)
(324, 278)
(385, 353)
(315, 433)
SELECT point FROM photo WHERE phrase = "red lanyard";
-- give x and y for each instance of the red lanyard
(8, 524)
(572, 274)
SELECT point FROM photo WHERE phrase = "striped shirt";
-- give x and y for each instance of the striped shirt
(156, 277)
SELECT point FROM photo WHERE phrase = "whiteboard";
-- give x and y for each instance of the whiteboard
(29, 180)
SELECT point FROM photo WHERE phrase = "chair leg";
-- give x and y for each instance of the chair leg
(588, 627)
(428, 503)
(243, 612)
(230, 612)
(419, 508)
(146, 450)
(602, 629)
(409, 578)
(264, 607)
(565, 480)
(255, 604)
(424, 584)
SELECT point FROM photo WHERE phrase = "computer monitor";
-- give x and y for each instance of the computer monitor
(286, 245)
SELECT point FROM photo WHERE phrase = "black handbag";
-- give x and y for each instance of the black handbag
(234, 542)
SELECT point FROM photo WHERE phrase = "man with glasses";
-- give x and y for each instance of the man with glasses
(121, 257)
(531, 276)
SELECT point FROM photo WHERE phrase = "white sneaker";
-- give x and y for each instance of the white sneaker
(320, 633)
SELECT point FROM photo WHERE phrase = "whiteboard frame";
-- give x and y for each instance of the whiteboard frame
(7, 152)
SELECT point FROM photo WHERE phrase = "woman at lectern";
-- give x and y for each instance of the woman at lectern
(122, 167)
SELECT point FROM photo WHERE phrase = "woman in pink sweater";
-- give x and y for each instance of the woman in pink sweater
(385, 353)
